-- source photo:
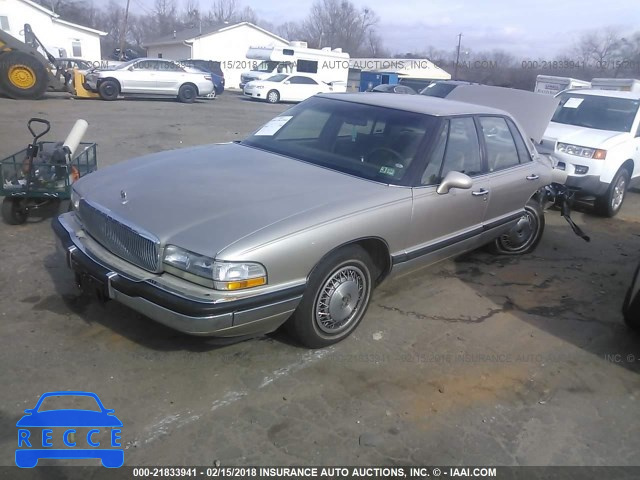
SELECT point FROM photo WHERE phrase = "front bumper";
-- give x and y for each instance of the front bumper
(587, 184)
(257, 314)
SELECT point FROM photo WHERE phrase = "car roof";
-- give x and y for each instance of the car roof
(603, 93)
(417, 104)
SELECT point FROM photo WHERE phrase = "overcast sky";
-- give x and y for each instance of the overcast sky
(528, 29)
(540, 27)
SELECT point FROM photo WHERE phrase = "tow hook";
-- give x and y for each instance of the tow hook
(562, 197)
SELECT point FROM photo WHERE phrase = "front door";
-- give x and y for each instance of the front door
(444, 225)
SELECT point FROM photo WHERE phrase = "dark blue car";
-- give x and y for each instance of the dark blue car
(33, 446)
(209, 66)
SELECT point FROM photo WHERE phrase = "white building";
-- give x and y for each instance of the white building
(59, 37)
(228, 45)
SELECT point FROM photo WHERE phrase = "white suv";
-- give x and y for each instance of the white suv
(595, 135)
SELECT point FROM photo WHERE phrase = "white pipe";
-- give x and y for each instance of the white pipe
(75, 135)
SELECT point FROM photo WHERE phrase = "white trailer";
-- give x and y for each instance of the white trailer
(326, 64)
(620, 84)
(551, 85)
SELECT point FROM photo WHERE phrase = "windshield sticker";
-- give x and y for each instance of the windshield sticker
(387, 170)
(272, 126)
(573, 102)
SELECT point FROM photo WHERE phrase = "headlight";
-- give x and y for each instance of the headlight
(75, 199)
(584, 152)
(213, 274)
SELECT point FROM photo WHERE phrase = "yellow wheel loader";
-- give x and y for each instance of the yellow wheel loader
(25, 72)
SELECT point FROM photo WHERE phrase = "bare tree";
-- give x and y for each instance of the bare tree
(247, 14)
(190, 17)
(224, 11)
(290, 31)
(165, 17)
(598, 47)
(339, 23)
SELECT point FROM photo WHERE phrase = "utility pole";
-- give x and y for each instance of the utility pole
(123, 33)
(455, 71)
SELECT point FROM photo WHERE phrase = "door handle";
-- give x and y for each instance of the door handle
(533, 176)
(480, 192)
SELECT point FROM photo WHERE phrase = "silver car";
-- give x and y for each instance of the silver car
(299, 222)
(144, 76)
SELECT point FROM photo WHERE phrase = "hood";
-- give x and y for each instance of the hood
(207, 198)
(583, 136)
(532, 111)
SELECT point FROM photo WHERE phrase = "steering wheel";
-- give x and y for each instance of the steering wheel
(396, 157)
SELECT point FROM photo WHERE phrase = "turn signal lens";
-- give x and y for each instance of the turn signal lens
(600, 154)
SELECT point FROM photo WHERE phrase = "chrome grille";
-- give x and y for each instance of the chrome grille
(136, 247)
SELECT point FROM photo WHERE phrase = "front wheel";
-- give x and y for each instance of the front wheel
(525, 235)
(109, 90)
(273, 96)
(13, 211)
(609, 204)
(336, 298)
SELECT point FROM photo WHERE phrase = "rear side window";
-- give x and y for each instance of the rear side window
(501, 148)
(523, 152)
(462, 152)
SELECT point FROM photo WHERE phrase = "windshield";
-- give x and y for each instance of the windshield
(367, 141)
(276, 78)
(127, 64)
(438, 89)
(267, 66)
(599, 112)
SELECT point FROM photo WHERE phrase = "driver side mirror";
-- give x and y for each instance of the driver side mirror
(130, 68)
(287, 82)
(454, 180)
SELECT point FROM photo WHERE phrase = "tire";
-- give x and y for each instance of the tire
(631, 306)
(12, 211)
(609, 204)
(273, 96)
(525, 236)
(187, 94)
(340, 286)
(22, 76)
(109, 90)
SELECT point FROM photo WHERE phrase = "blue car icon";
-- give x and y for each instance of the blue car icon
(32, 446)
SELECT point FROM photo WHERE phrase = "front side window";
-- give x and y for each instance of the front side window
(462, 153)
(595, 111)
(501, 149)
(367, 141)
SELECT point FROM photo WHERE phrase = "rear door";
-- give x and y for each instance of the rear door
(513, 174)
(301, 88)
(169, 77)
(444, 225)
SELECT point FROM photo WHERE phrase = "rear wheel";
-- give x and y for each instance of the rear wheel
(336, 298)
(273, 96)
(187, 94)
(109, 90)
(13, 211)
(609, 204)
(22, 76)
(525, 235)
